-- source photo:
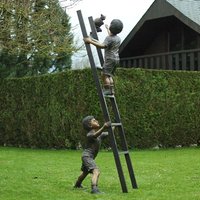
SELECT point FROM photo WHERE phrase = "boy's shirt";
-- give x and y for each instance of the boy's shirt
(112, 47)
(93, 144)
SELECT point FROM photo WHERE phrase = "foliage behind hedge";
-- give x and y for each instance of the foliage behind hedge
(156, 107)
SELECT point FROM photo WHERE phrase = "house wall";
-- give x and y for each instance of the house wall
(174, 37)
(161, 36)
(198, 41)
(158, 45)
(164, 38)
(190, 39)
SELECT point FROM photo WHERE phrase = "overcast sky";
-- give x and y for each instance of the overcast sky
(128, 11)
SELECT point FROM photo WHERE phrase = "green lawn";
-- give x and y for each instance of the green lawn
(27, 174)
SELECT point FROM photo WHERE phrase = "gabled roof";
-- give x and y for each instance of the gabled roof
(189, 8)
(187, 11)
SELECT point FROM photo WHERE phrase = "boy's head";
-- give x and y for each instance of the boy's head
(116, 26)
(87, 122)
(90, 123)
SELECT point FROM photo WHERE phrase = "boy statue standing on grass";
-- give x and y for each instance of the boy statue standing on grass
(94, 137)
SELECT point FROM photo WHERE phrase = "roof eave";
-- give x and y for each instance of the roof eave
(165, 10)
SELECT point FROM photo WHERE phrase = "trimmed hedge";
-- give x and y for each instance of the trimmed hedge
(156, 107)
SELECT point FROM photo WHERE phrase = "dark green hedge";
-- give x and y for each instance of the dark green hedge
(157, 108)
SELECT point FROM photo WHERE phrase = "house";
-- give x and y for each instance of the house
(166, 37)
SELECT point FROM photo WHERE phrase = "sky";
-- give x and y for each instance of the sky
(128, 11)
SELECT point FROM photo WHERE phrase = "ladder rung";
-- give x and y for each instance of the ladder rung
(109, 96)
(116, 124)
(124, 152)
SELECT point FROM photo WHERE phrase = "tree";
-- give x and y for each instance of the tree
(35, 38)
(68, 3)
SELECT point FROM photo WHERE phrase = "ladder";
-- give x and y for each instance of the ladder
(103, 101)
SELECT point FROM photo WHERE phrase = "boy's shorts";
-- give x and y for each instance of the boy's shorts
(88, 164)
(109, 67)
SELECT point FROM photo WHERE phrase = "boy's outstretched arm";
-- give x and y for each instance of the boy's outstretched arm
(98, 133)
(96, 43)
(107, 28)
